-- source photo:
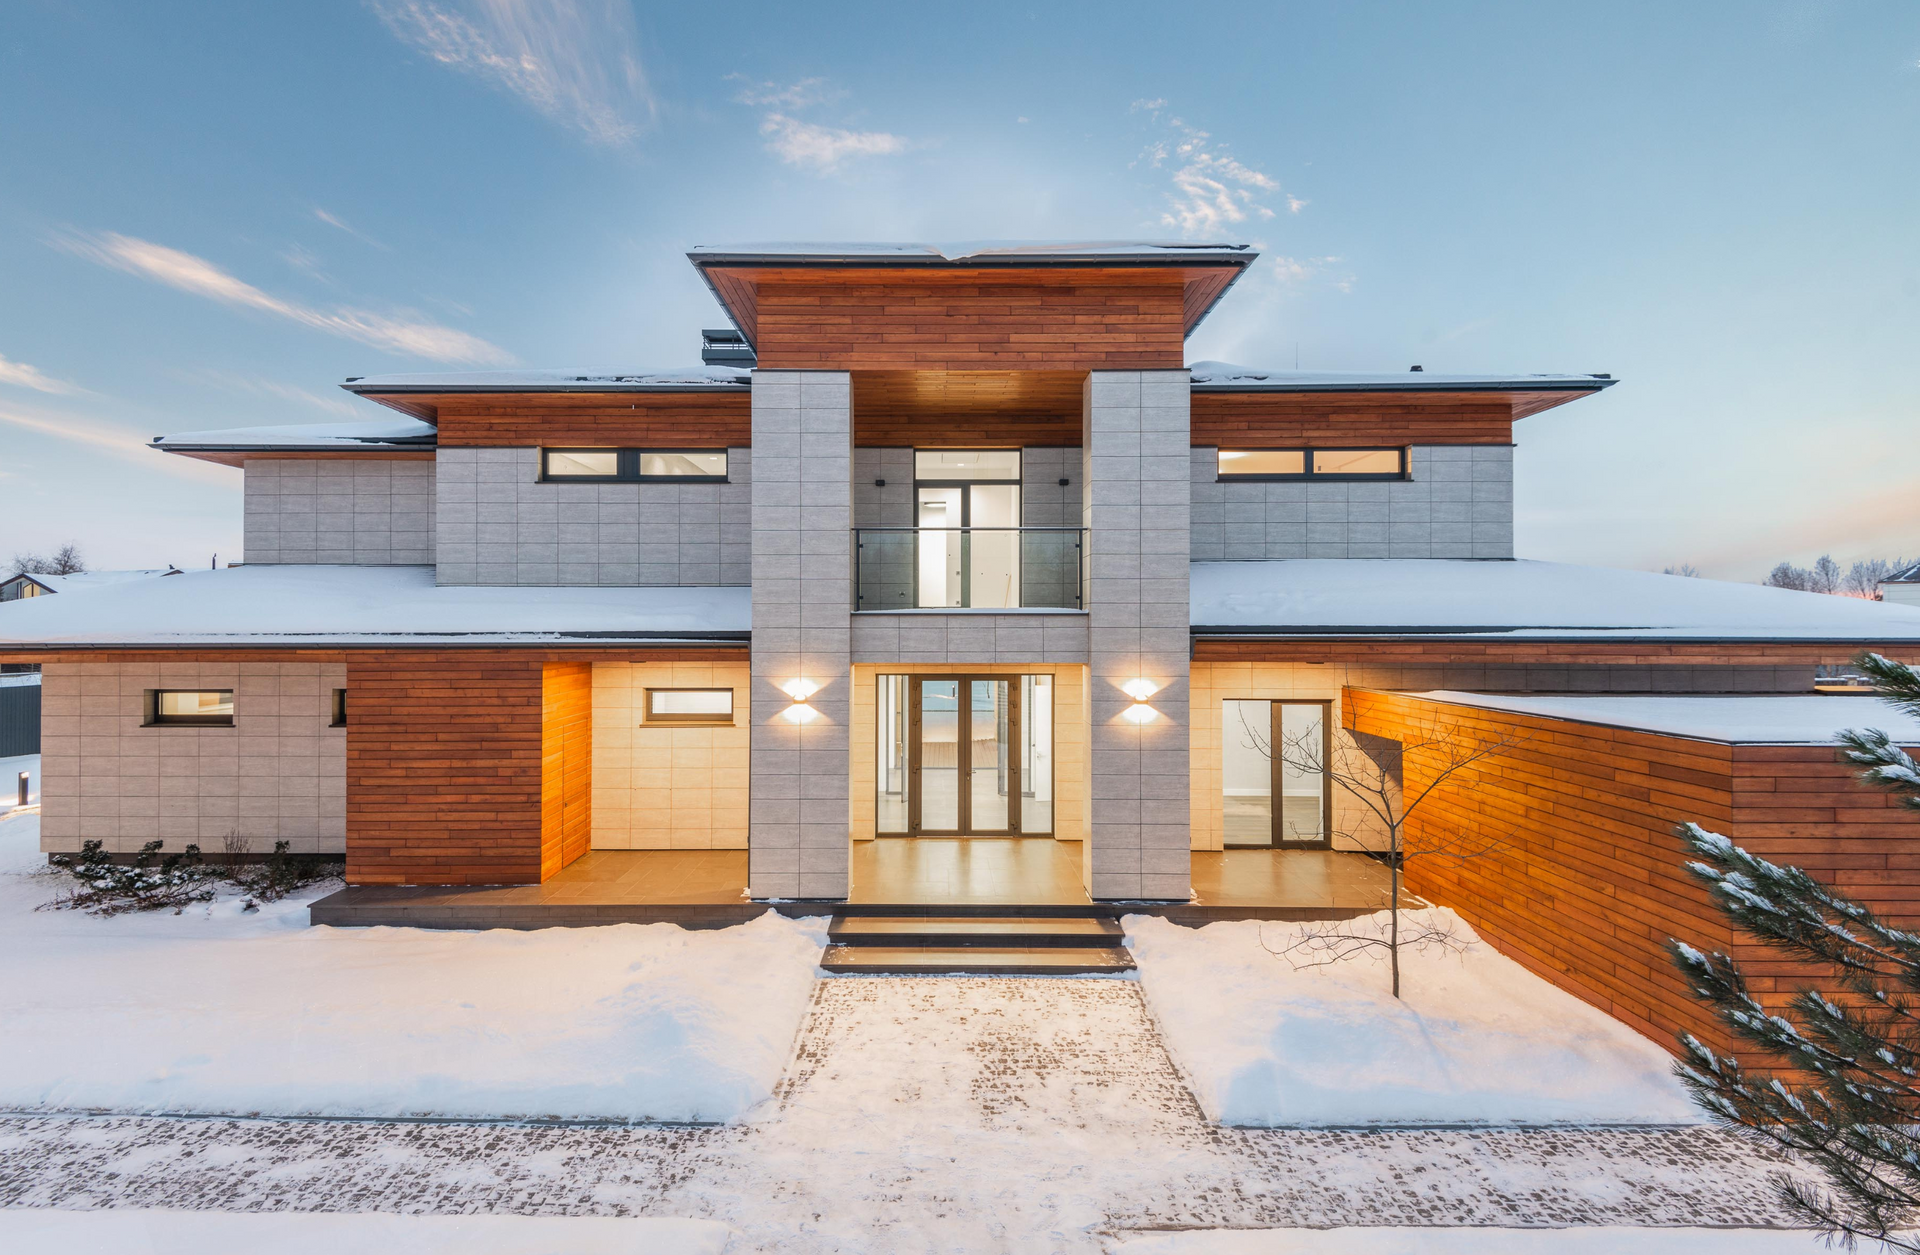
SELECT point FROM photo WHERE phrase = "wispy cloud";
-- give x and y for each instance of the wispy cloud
(305, 260)
(797, 95)
(576, 61)
(111, 438)
(823, 148)
(255, 386)
(187, 273)
(338, 224)
(1212, 188)
(21, 375)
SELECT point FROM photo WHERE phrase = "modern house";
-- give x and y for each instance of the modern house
(28, 584)
(1903, 586)
(947, 585)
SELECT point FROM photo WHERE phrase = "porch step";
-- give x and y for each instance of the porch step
(948, 931)
(870, 960)
(1004, 944)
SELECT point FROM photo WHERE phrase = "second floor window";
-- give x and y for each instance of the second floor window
(1326, 464)
(632, 466)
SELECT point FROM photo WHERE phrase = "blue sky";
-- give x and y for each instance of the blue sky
(210, 214)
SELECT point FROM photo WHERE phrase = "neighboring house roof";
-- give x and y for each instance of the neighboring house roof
(85, 581)
(1426, 597)
(1905, 575)
(373, 433)
(669, 379)
(1770, 720)
(977, 253)
(365, 605)
(1227, 377)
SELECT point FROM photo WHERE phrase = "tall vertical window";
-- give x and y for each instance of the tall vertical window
(339, 709)
(1273, 778)
(967, 510)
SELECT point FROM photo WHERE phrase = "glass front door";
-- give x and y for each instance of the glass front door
(964, 755)
(1273, 779)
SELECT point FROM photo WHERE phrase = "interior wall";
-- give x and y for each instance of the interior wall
(666, 787)
(1070, 800)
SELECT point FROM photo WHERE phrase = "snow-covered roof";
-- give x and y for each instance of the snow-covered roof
(1794, 720)
(977, 252)
(365, 433)
(86, 581)
(1227, 377)
(666, 379)
(363, 605)
(1905, 575)
(1426, 597)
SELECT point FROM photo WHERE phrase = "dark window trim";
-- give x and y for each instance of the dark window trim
(154, 719)
(1277, 768)
(648, 716)
(627, 466)
(339, 719)
(1310, 475)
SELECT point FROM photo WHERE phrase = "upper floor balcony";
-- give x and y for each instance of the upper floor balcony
(968, 568)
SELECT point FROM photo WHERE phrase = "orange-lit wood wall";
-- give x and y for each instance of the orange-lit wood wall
(566, 764)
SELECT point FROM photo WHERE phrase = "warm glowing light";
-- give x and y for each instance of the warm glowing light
(1139, 712)
(800, 690)
(800, 712)
(1139, 690)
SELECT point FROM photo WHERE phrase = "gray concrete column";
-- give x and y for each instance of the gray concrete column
(1137, 509)
(798, 843)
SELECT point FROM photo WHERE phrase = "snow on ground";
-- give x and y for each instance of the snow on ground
(1599, 1240)
(217, 1010)
(1477, 1038)
(139, 1232)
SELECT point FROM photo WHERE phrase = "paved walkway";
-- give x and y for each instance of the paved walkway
(920, 1114)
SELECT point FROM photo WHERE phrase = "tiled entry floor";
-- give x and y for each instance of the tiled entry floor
(708, 887)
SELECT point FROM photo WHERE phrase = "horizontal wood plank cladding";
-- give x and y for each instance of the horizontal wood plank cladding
(1590, 885)
(884, 319)
(1436, 651)
(961, 409)
(1266, 419)
(566, 764)
(617, 419)
(444, 769)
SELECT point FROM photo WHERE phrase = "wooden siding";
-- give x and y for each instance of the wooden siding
(619, 419)
(1589, 885)
(1277, 419)
(962, 409)
(443, 769)
(566, 764)
(1440, 650)
(906, 319)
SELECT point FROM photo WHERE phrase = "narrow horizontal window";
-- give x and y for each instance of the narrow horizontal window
(339, 709)
(1312, 463)
(582, 464)
(190, 707)
(683, 464)
(689, 706)
(966, 465)
(627, 466)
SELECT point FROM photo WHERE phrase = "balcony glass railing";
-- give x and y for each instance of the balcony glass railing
(967, 568)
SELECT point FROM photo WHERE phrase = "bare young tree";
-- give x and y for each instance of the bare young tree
(1372, 771)
(65, 560)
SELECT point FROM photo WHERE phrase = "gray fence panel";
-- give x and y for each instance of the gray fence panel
(19, 719)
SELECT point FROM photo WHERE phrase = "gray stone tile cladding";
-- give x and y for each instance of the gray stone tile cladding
(357, 512)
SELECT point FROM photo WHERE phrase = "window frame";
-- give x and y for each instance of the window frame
(627, 465)
(338, 709)
(1019, 478)
(648, 717)
(154, 719)
(1277, 768)
(1311, 476)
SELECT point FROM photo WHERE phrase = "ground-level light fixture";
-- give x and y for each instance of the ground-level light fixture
(800, 690)
(1139, 691)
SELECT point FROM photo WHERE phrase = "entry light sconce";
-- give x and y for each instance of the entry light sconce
(800, 691)
(1139, 691)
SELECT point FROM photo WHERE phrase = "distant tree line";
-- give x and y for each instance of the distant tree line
(65, 560)
(1862, 579)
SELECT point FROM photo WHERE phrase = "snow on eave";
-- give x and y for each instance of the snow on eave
(976, 253)
(688, 379)
(395, 434)
(1748, 719)
(1228, 377)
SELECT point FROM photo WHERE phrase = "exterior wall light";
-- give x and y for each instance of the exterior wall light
(800, 691)
(1139, 691)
